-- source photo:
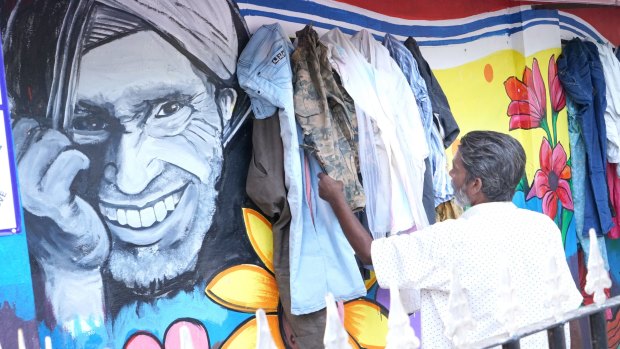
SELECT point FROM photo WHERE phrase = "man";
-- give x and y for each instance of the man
(492, 239)
(120, 182)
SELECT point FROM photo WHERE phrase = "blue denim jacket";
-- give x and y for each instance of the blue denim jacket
(581, 74)
(321, 259)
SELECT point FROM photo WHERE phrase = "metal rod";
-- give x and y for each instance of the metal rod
(556, 337)
(598, 330)
(581, 312)
(514, 344)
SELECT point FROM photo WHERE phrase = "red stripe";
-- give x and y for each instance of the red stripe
(604, 19)
(431, 9)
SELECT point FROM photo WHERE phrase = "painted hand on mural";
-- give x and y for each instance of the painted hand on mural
(528, 110)
(47, 166)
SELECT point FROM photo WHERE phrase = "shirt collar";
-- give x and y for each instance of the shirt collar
(488, 208)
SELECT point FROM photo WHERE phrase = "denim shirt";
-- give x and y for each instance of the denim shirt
(321, 259)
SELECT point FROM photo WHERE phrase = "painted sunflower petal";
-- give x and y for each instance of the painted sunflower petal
(353, 343)
(261, 236)
(366, 322)
(244, 336)
(245, 288)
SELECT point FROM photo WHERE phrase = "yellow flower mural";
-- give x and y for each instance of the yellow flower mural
(248, 287)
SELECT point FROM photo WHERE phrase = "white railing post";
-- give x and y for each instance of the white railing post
(400, 333)
(264, 339)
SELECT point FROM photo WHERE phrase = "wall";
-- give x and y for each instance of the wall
(133, 149)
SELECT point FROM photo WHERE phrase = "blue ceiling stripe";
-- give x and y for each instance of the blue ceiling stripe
(447, 41)
(336, 14)
(580, 26)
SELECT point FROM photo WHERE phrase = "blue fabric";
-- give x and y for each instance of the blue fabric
(578, 164)
(442, 187)
(403, 57)
(581, 74)
(327, 262)
(578, 168)
(321, 259)
(442, 115)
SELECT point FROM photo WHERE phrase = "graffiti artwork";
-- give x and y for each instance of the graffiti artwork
(10, 217)
(121, 173)
(132, 145)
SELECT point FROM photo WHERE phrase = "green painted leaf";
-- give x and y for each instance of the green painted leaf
(567, 217)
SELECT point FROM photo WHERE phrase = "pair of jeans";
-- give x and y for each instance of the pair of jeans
(581, 73)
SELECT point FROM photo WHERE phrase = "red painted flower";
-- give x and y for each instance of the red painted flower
(550, 180)
(558, 100)
(528, 97)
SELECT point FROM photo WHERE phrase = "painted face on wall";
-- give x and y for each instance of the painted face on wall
(160, 121)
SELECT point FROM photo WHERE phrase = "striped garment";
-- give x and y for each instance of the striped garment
(441, 179)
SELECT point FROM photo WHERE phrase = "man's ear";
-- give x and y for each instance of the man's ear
(477, 185)
(226, 102)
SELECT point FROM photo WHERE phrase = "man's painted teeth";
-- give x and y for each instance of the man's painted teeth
(144, 217)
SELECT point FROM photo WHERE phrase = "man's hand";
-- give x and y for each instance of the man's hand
(47, 165)
(330, 189)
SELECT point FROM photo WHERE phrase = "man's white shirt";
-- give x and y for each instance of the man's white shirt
(479, 245)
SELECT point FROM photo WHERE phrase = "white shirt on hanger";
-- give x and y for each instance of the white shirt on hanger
(393, 176)
(611, 70)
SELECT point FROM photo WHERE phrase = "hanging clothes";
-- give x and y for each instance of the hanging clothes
(326, 114)
(326, 262)
(385, 170)
(611, 71)
(265, 187)
(578, 164)
(581, 75)
(320, 258)
(448, 210)
(442, 115)
(400, 124)
(613, 182)
(441, 183)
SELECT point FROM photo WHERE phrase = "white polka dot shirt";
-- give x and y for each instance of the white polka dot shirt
(475, 245)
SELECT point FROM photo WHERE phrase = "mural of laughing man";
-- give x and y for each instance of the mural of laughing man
(123, 182)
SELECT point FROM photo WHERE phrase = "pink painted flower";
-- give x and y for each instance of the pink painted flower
(550, 181)
(183, 333)
(528, 97)
(558, 100)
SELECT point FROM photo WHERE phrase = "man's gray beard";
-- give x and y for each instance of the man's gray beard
(461, 198)
(140, 267)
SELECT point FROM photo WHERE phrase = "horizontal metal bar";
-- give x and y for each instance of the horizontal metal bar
(512, 345)
(548, 323)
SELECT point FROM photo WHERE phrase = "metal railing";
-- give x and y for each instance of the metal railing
(555, 328)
